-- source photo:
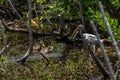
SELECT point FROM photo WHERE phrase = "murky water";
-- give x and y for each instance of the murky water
(33, 57)
(37, 56)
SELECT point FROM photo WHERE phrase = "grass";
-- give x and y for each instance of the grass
(73, 66)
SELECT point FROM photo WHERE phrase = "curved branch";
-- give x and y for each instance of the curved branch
(4, 39)
(30, 49)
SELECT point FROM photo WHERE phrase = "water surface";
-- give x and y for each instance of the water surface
(33, 57)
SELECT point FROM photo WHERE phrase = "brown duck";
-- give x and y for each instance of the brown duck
(42, 49)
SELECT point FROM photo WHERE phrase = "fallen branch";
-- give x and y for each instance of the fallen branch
(57, 36)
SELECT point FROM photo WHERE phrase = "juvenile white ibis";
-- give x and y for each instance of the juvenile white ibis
(90, 38)
(92, 42)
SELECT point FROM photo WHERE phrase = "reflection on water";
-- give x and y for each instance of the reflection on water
(38, 56)
(33, 56)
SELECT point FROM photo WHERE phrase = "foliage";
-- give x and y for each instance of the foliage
(3, 62)
(41, 1)
(97, 16)
(70, 9)
(1, 1)
(57, 7)
(116, 3)
(75, 67)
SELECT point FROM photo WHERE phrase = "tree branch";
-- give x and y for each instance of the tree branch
(81, 12)
(30, 49)
(4, 39)
(15, 10)
(110, 32)
(107, 61)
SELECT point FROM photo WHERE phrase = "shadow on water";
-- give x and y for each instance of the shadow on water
(33, 57)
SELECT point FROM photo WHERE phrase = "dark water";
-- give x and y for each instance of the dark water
(33, 57)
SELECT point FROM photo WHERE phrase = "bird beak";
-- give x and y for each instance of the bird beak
(74, 34)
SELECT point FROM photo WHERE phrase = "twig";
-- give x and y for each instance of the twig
(45, 59)
(48, 19)
(51, 24)
(61, 28)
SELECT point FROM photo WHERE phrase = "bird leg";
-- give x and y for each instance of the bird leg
(90, 59)
(94, 48)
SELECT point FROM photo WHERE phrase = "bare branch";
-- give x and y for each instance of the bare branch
(15, 10)
(61, 28)
(51, 24)
(30, 49)
(116, 68)
(107, 61)
(4, 39)
(48, 19)
(109, 31)
(81, 12)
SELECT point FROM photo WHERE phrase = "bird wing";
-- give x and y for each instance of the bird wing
(90, 38)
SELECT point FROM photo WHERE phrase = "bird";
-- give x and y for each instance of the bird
(42, 49)
(89, 38)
